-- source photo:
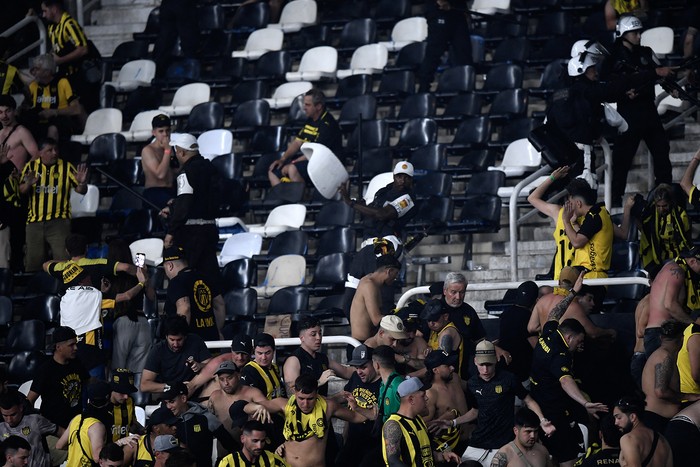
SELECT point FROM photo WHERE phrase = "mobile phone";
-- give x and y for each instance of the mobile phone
(140, 260)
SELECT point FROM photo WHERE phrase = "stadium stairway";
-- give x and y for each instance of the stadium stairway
(116, 21)
(491, 252)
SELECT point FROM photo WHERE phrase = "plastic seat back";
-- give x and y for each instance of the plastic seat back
(378, 182)
(103, 121)
(289, 300)
(240, 303)
(242, 245)
(214, 143)
(240, 273)
(291, 215)
(337, 240)
(286, 270)
(191, 94)
(323, 59)
(205, 116)
(85, 205)
(659, 39)
(151, 247)
(26, 335)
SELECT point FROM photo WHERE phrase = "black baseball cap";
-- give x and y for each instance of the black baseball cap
(123, 381)
(439, 357)
(173, 253)
(160, 121)
(360, 355)
(63, 334)
(162, 415)
(432, 311)
(176, 389)
(242, 343)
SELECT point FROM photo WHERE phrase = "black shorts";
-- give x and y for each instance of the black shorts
(567, 441)
(684, 439)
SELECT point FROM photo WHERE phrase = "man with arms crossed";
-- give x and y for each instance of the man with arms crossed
(524, 450)
(307, 422)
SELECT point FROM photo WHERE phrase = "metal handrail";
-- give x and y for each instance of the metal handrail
(513, 207)
(41, 42)
(80, 10)
(287, 341)
(473, 287)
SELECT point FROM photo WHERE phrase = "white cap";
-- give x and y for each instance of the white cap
(393, 325)
(184, 141)
(404, 167)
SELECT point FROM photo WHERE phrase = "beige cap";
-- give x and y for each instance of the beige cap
(394, 326)
(568, 274)
(485, 353)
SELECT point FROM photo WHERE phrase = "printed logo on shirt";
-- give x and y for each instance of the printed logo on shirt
(202, 295)
(197, 428)
(26, 430)
(499, 389)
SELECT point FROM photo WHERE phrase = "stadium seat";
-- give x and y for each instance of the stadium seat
(284, 271)
(268, 139)
(330, 274)
(45, 308)
(249, 17)
(332, 214)
(368, 59)
(409, 57)
(288, 300)
(421, 105)
(553, 24)
(512, 50)
(357, 33)
(473, 132)
(285, 93)
(246, 91)
(126, 52)
(339, 239)
(316, 64)
(553, 78)
(508, 104)
(230, 166)
(296, 15)
(26, 335)
(85, 205)
(185, 98)
(520, 157)
(281, 219)
(308, 38)
(107, 148)
(516, 128)
(391, 11)
(214, 143)
(352, 86)
(364, 106)
(432, 214)
(141, 129)
(415, 133)
(292, 242)
(150, 31)
(6, 279)
(24, 365)
(428, 158)
(239, 273)
(99, 122)
(459, 107)
(134, 74)
(204, 117)
(375, 134)
(374, 161)
(405, 32)
(501, 77)
(433, 184)
(241, 245)
(378, 182)
(138, 224)
(491, 7)
(271, 66)
(394, 86)
(151, 247)
(659, 39)
(240, 303)
(260, 42)
(278, 195)
(455, 80)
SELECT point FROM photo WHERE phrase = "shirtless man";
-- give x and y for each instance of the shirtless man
(524, 450)
(639, 358)
(661, 380)
(305, 432)
(21, 145)
(639, 445)
(544, 305)
(231, 390)
(683, 434)
(365, 311)
(391, 330)
(667, 297)
(446, 400)
(241, 348)
(155, 160)
(413, 348)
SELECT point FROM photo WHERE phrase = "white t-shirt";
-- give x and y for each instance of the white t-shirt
(81, 307)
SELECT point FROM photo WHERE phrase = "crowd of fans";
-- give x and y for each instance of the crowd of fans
(425, 386)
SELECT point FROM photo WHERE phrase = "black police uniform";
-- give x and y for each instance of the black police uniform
(193, 216)
(552, 361)
(176, 21)
(641, 116)
(445, 28)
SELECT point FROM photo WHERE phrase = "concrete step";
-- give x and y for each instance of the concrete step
(135, 16)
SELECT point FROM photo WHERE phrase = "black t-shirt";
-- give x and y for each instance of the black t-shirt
(403, 202)
(366, 395)
(188, 283)
(513, 337)
(313, 365)
(324, 131)
(171, 366)
(551, 361)
(193, 432)
(495, 400)
(61, 390)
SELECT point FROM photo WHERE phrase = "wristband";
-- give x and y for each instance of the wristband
(551, 177)
(543, 420)
(142, 284)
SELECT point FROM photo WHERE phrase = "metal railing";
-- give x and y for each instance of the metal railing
(514, 222)
(473, 287)
(287, 341)
(81, 8)
(41, 43)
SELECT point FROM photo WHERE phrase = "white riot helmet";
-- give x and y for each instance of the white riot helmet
(578, 65)
(627, 23)
(590, 46)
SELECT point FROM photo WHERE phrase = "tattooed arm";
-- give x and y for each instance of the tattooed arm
(559, 310)
(663, 373)
(674, 287)
(500, 459)
(392, 444)
(449, 339)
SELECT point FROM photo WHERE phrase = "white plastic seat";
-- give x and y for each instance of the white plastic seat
(260, 42)
(659, 39)
(151, 247)
(296, 15)
(214, 143)
(284, 271)
(316, 64)
(405, 32)
(506, 191)
(140, 413)
(281, 219)
(584, 432)
(134, 74)
(491, 7)
(141, 128)
(366, 60)
(378, 182)
(325, 170)
(285, 94)
(185, 98)
(99, 122)
(85, 205)
(520, 157)
(240, 245)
